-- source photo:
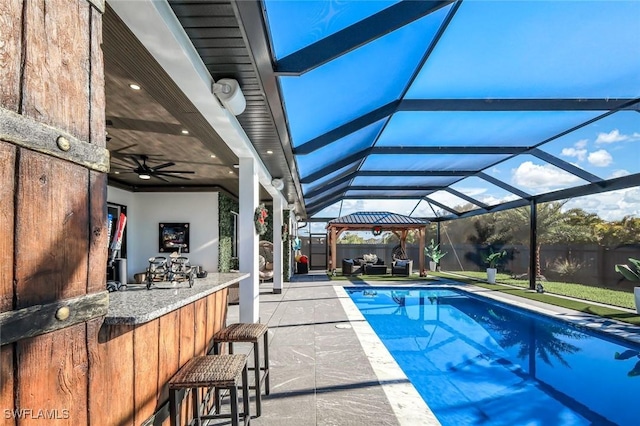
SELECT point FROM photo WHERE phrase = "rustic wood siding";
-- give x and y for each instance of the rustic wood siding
(98, 236)
(111, 374)
(51, 230)
(10, 47)
(45, 235)
(6, 381)
(56, 64)
(7, 162)
(168, 356)
(146, 343)
(52, 373)
(98, 100)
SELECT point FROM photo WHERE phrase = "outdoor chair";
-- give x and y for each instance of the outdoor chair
(265, 260)
(402, 267)
(351, 267)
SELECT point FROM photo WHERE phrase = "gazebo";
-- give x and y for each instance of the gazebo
(376, 222)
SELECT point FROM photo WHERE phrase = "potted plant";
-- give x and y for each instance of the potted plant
(433, 252)
(492, 260)
(631, 273)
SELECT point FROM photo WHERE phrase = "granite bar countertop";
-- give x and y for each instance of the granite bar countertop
(137, 305)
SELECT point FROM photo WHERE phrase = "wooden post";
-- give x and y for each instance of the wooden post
(421, 237)
(53, 226)
(334, 247)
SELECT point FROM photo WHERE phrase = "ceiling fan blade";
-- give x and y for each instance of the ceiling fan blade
(170, 175)
(137, 162)
(162, 166)
(188, 172)
(116, 152)
(160, 177)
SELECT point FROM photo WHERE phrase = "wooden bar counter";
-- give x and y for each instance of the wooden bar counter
(145, 338)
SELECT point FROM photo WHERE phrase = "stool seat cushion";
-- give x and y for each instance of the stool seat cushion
(210, 370)
(241, 332)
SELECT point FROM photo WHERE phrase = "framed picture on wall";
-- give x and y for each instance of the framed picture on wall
(173, 237)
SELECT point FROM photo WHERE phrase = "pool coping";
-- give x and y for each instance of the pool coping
(407, 404)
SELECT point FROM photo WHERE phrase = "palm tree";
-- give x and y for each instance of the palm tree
(553, 226)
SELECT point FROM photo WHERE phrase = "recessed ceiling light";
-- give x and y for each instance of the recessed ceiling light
(230, 172)
(134, 86)
(144, 176)
(236, 166)
(117, 173)
(185, 132)
(213, 156)
(269, 152)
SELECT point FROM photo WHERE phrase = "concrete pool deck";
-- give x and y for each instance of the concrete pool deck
(327, 366)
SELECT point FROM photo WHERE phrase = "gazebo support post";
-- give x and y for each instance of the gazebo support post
(421, 235)
(334, 238)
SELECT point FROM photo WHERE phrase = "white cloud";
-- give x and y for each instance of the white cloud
(472, 191)
(582, 143)
(615, 136)
(580, 154)
(632, 196)
(492, 200)
(542, 178)
(600, 158)
(610, 206)
(619, 173)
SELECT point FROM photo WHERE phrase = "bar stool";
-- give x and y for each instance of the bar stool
(251, 333)
(219, 371)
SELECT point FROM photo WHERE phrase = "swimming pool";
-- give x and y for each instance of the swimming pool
(476, 361)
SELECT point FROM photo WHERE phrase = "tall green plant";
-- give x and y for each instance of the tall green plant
(225, 231)
(286, 249)
(433, 252)
(552, 223)
(494, 257)
(631, 273)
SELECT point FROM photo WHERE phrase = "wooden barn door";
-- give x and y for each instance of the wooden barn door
(53, 246)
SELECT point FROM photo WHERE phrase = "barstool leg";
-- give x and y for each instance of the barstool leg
(266, 363)
(245, 395)
(196, 406)
(256, 371)
(235, 416)
(217, 399)
(174, 413)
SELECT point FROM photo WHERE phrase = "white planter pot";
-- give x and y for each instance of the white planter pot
(636, 293)
(432, 265)
(491, 275)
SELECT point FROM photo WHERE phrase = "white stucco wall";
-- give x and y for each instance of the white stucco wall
(146, 210)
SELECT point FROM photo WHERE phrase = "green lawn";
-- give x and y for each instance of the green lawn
(579, 291)
(586, 293)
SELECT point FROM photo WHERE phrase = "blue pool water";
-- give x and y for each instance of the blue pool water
(478, 362)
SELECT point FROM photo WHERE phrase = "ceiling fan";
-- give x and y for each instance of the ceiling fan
(146, 172)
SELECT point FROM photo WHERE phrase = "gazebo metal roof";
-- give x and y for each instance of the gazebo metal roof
(386, 219)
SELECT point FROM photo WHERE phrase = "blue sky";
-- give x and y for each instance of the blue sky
(491, 49)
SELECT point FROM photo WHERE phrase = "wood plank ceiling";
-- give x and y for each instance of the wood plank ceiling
(150, 121)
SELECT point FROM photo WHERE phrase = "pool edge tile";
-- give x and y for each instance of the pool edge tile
(407, 404)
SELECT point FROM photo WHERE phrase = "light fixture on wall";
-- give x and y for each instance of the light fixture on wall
(229, 93)
(277, 183)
